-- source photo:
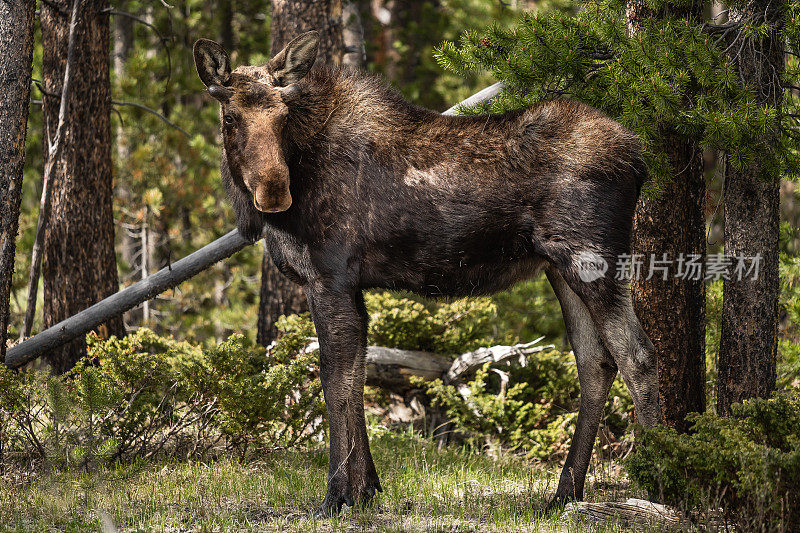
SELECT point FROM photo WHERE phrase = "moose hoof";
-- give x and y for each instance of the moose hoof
(365, 495)
(333, 502)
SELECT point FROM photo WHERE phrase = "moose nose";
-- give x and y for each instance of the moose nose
(272, 197)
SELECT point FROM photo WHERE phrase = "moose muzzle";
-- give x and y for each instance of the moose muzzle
(271, 195)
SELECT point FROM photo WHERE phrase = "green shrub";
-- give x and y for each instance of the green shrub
(144, 394)
(398, 321)
(265, 399)
(748, 463)
(788, 368)
(448, 328)
(530, 407)
(529, 310)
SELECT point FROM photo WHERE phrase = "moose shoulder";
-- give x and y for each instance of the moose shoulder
(356, 188)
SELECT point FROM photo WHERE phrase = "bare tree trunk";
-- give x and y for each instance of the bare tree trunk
(386, 57)
(53, 147)
(226, 24)
(290, 18)
(129, 243)
(79, 266)
(749, 338)
(16, 54)
(672, 310)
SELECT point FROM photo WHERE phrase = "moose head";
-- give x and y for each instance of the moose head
(255, 104)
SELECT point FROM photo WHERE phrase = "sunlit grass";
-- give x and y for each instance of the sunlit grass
(425, 489)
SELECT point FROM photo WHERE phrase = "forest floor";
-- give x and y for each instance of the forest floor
(425, 489)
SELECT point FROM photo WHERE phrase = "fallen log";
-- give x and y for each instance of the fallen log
(468, 363)
(631, 513)
(128, 298)
(393, 368)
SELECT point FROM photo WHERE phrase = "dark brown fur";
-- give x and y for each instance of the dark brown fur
(386, 194)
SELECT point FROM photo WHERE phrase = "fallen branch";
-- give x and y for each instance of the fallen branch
(393, 368)
(632, 513)
(469, 363)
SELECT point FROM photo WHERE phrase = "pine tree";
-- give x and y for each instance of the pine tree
(749, 336)
(79, 266)
(672, 304)
(16, 49)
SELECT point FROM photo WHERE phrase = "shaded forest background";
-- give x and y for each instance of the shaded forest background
(168, 199)
(711, 121)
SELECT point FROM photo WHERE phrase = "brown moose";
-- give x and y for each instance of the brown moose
(355, 188)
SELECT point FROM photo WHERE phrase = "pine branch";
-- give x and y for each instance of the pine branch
(152, 112)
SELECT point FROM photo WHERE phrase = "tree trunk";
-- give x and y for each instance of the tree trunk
(749, 337)
(16, 54)
(79, 266)
(335, 21)
(226, 24)
(129, 242)
(672, 311)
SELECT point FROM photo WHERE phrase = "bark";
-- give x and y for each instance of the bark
(54, 147)
(226, 24)
(749, 337)
(79, 266)
(335, 21)
(16, 53)
(672, 311)
(290, 18)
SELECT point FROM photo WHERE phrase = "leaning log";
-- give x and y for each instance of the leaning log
(481, 96)
(127, 298)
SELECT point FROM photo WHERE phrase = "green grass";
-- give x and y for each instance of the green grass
(425, 489)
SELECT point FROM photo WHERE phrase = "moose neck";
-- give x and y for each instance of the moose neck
(344, 103)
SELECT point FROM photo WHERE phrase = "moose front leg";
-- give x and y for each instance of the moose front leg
(341, 322)
(364, 480)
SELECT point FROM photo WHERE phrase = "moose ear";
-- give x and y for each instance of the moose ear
(212, 63)
(295, 60)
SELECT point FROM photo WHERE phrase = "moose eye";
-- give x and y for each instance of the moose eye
(229, 119)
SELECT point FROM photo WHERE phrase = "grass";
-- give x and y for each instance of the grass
(425, 489)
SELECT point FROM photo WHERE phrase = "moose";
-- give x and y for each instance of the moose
(355, 188)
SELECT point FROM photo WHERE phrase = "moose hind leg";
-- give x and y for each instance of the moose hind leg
(636, 359)
(609, 304)
(596, 372)
(342, 339)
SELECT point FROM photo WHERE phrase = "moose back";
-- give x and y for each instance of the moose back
(355, 188)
